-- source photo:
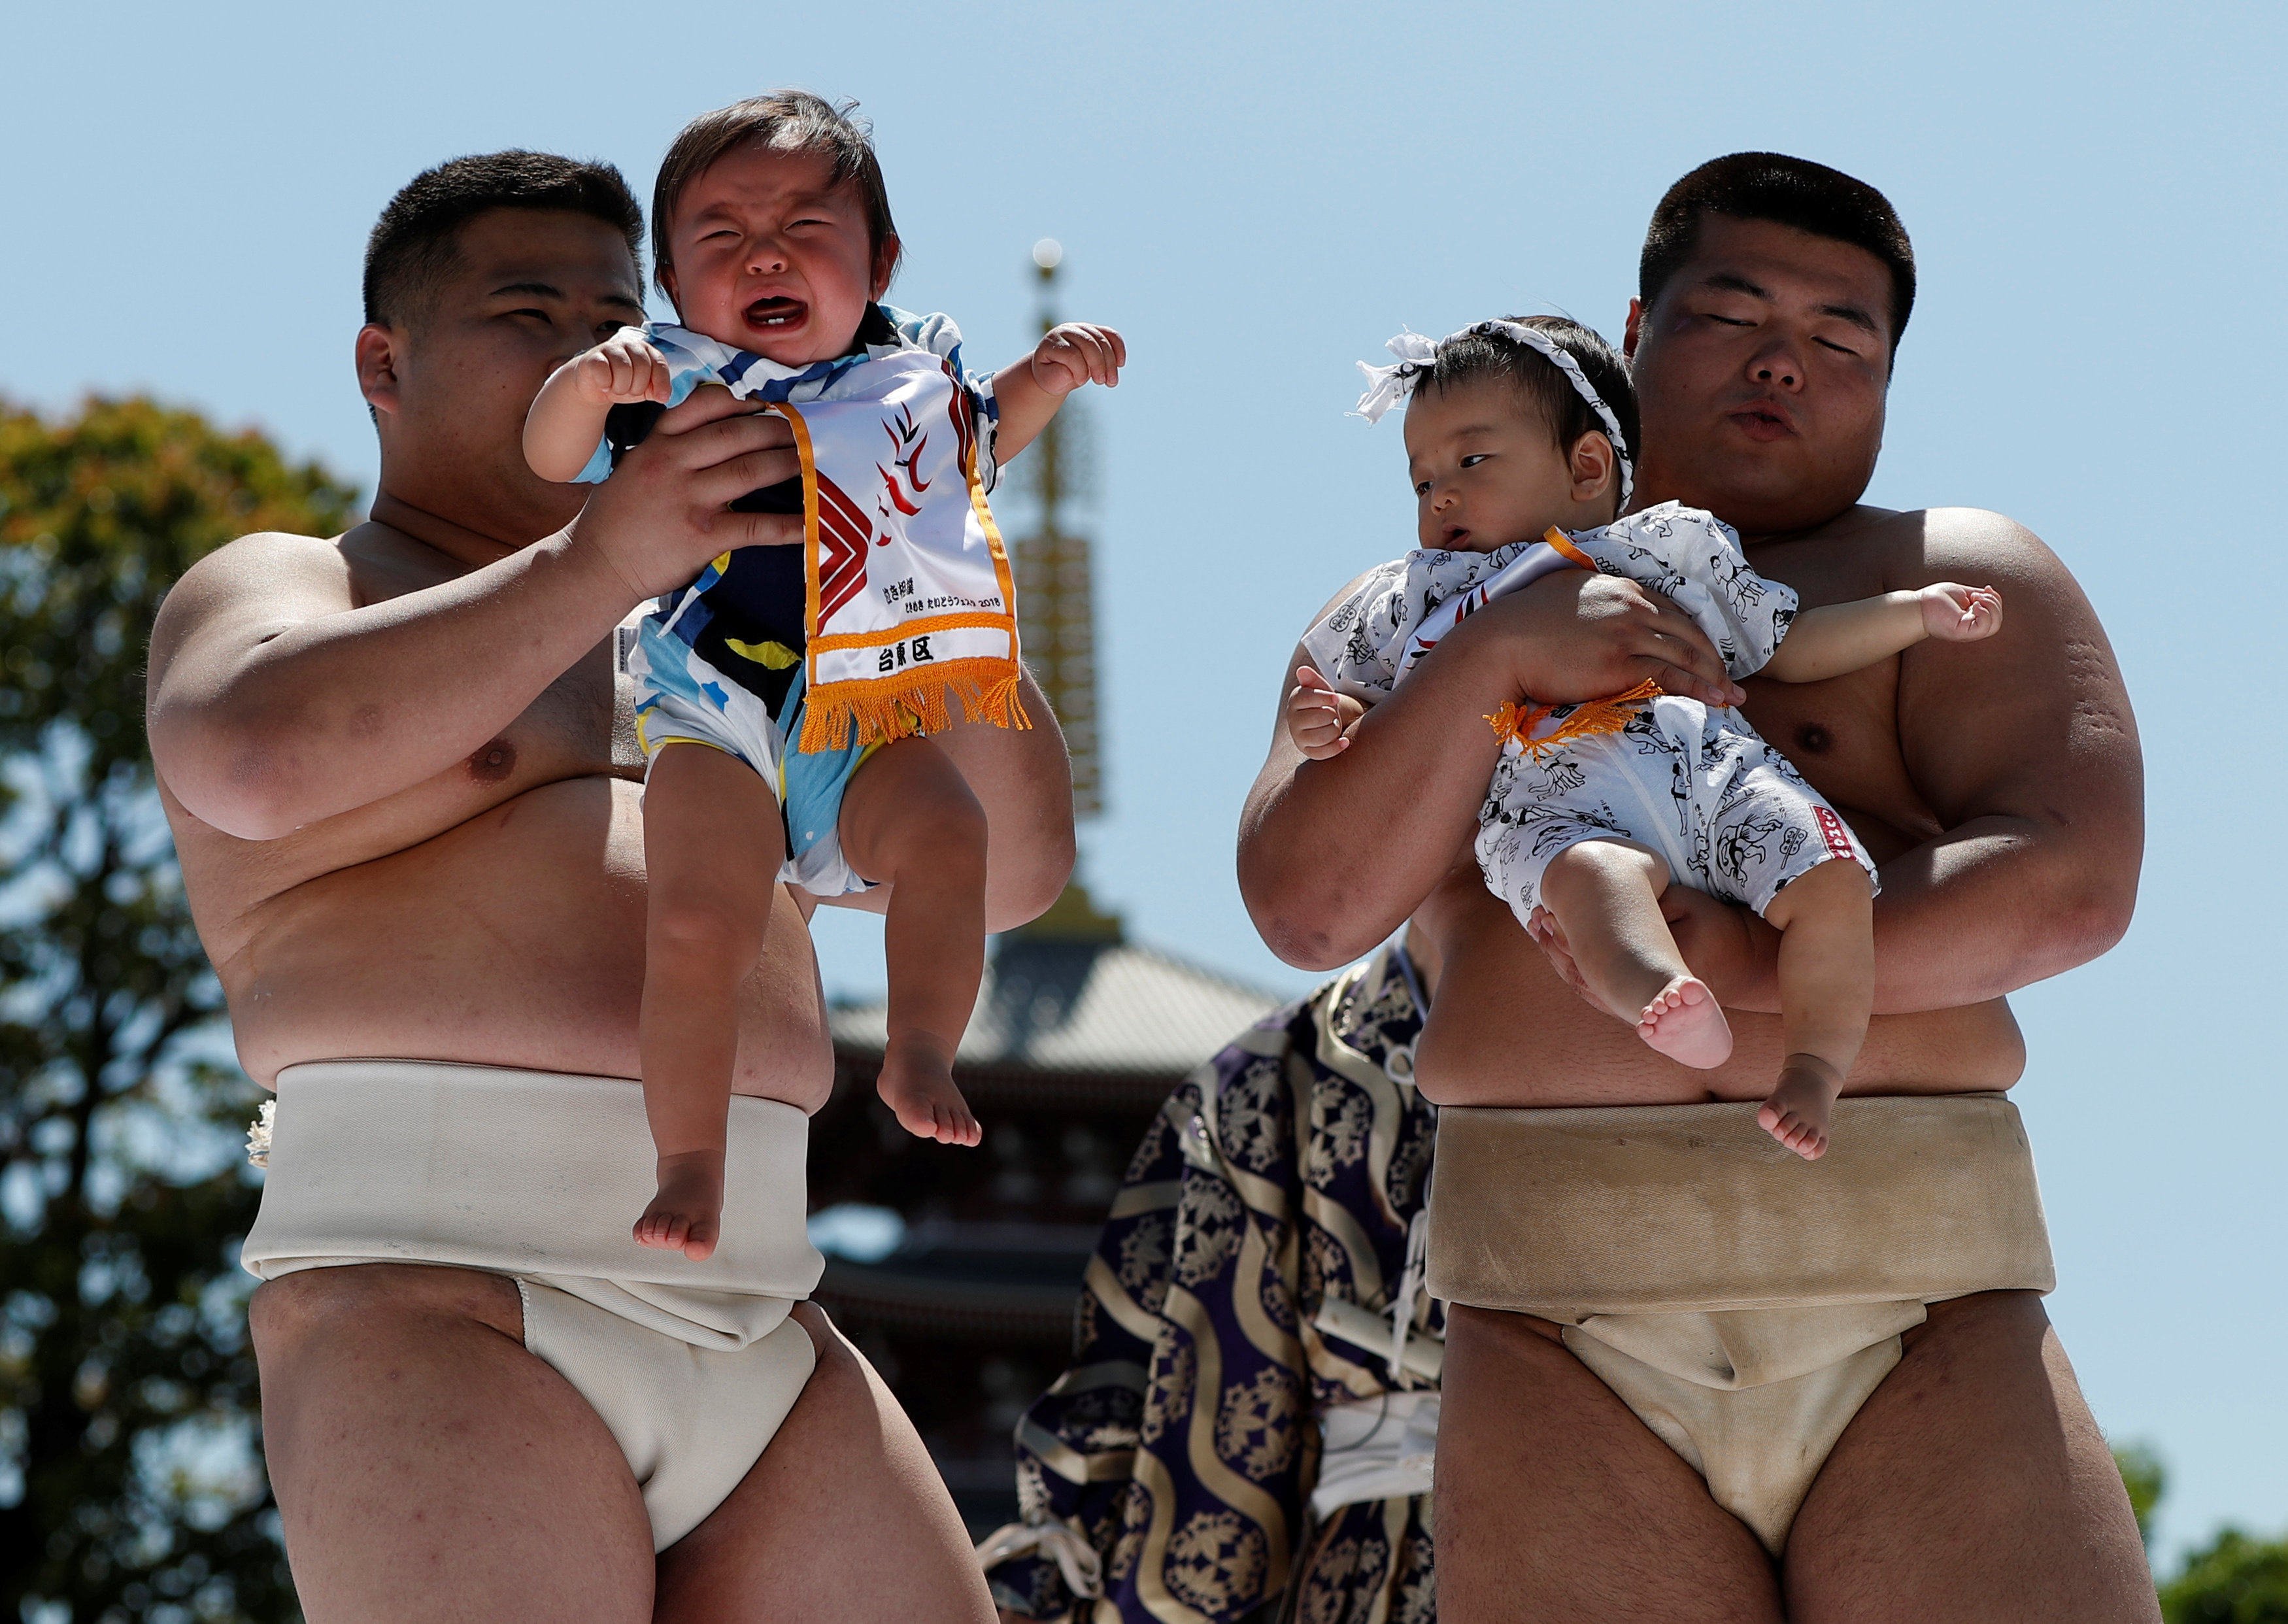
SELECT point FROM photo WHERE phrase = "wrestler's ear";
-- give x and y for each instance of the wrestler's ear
(379, 349)
(1636, 324)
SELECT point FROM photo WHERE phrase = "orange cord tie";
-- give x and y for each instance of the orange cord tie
(1514, 722)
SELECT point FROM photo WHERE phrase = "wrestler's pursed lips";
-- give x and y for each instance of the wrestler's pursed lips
(1764, 419)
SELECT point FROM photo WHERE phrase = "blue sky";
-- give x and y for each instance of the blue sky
(1256, 196)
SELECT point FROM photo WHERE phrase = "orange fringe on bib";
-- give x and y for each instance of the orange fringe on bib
(1514, 722)
(898, 707)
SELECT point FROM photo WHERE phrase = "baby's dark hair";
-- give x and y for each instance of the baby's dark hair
(1472, 356)
(785, 121)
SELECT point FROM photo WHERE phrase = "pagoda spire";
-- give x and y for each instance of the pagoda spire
(1056, 609)
(1056, 598)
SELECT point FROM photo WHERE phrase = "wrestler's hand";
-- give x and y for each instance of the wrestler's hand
(625, 366)
(1549, 936)
(665, 512)
(1956, 613)
(1075, 353)
(1320, 720)
(1578, 635)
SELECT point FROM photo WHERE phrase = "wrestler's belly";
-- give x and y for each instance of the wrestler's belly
(1526, 1038)
(515, 939)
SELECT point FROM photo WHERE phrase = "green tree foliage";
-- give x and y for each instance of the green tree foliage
(2239, 1580)
(2145, 1479)
(129, 1484)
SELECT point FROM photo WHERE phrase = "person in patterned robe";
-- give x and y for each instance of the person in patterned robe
(1244, 1433)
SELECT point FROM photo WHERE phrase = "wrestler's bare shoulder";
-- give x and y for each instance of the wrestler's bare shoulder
(256, 586)
(1869, 550)
(551, 769)
(259, 583)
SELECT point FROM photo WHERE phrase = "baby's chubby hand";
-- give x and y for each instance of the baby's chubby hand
(1319, 719)
(1075, 353)
(1957, 614)
(622, 368)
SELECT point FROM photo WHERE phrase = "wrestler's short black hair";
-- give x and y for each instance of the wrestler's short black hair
(786, 121)
(1771, 186)
(1470, 356)
(414, 243)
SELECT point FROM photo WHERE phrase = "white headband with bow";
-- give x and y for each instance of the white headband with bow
(1387, 386)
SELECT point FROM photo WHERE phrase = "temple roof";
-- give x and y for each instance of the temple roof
(1102, 1007)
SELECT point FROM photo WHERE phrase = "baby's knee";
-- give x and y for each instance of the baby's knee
(1591, 866)
(703, 923)
(942, 833)
(1836, 890)
(1836, 885)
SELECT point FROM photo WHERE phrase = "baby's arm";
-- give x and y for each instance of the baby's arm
(1319, 719)
(1841, 637)
(1028, 392)
(567, 419)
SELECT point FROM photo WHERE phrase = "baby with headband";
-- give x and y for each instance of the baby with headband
(1518, 442)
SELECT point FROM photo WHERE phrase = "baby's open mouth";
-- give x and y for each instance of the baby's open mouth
(776, 313)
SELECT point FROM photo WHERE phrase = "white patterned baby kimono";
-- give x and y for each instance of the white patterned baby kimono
(1700, 787)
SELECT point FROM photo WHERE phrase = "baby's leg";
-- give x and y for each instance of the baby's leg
(908, 821)
(1827, 986)
(1606, 897)
(712, 848)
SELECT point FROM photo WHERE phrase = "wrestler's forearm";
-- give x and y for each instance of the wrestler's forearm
(337, 711)
(1996, 905)
(1334, 855)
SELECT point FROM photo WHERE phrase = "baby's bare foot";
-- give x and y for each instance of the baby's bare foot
(686, 1214)
(1796, 1114)
(1684, 1023)
(917, 1083)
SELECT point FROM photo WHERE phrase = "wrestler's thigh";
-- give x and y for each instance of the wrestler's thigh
(427, 1467)
(1554, 1502)
(1974, 1484)
(844, 1520)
